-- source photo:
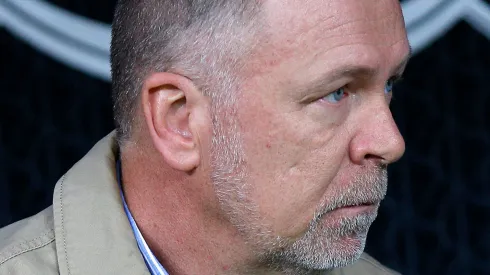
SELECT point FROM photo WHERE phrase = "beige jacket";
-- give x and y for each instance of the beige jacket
(86, 230)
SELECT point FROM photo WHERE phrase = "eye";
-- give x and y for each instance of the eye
(336, 96)
(389, 85)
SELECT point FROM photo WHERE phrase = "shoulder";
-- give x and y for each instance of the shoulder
(367, 265)
(28, 246)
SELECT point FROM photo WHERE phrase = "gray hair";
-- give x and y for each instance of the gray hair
(203, 40)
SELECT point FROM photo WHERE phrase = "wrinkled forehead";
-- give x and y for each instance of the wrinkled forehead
(298, 28)
(338, 17)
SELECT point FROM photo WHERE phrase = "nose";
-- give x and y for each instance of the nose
(377, 137)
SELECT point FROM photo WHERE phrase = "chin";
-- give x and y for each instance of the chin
(341, 252)
(317, 251)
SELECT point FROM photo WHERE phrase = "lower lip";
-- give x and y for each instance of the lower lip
(354, 210)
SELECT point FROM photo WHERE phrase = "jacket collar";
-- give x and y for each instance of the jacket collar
(93, 235)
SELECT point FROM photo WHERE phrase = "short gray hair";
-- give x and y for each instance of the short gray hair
(204, 40)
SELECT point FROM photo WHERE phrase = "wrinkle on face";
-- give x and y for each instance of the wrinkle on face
(310, 26)
(310, 45)
(297, 154)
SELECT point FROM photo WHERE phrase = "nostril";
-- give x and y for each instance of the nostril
(373, 157)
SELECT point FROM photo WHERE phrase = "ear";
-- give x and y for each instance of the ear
(175, 113)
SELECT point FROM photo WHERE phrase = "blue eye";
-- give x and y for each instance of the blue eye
(336, 96)
(389, 86)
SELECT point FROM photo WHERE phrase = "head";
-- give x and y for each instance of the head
(282, 105)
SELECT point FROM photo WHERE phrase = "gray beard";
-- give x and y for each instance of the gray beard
(325, 247)
(322, 247)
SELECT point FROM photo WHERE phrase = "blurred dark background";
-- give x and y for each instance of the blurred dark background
(436, 219)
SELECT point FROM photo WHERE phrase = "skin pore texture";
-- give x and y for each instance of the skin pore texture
(289, 179)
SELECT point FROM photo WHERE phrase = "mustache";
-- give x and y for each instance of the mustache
(367, 188)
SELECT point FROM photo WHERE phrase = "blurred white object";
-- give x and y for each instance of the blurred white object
(84, 44)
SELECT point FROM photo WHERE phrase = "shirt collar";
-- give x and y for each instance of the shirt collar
(151, 261)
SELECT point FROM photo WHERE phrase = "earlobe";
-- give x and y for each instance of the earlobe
(168, 101)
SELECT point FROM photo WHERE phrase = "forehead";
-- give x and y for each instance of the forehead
(329, 18)
(297, 28)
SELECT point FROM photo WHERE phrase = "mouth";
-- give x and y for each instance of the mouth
(362, 204)
(356, 208)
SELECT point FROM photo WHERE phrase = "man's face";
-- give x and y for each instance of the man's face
(313, 131)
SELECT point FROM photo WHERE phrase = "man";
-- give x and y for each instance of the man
(252, 138)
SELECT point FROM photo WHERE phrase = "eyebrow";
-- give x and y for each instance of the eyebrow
(351, 71)
(355, 70)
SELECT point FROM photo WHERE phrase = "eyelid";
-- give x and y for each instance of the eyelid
(396, 78)
(312, 97)
(316, 96)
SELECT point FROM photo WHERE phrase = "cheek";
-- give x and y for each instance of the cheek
(305, 186)
(291, 164)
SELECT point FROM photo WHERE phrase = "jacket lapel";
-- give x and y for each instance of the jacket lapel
(93, 235)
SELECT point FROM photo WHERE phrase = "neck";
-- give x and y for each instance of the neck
(180, 219)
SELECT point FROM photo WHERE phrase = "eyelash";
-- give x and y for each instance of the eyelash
(394, 80)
